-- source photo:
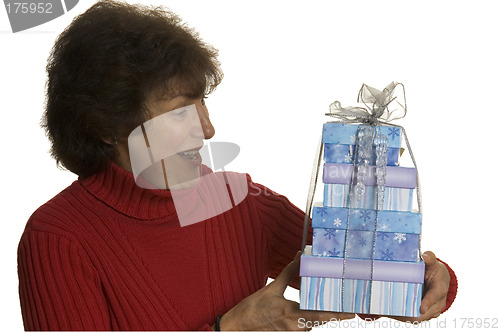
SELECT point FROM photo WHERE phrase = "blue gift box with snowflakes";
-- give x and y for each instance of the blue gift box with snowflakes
(380, 235)
(343, 153)
(364, 220)
(342, 133)
(359, 244)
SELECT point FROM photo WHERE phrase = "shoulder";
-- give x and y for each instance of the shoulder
(61, 213)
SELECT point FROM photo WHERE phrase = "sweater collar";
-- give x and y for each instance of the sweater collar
(116, 187)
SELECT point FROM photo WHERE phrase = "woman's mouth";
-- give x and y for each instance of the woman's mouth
(192, 157)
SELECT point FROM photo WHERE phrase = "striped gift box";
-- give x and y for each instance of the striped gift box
(354, 285)
(387, 297)
(395, 199)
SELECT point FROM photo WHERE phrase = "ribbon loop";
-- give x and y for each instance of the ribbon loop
(377, 106)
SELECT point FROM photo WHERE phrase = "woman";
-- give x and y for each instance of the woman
(126, 247)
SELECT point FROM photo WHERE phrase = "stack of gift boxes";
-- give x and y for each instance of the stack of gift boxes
(364, 257)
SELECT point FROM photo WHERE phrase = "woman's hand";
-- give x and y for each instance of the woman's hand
(267, 309)
(436, 284)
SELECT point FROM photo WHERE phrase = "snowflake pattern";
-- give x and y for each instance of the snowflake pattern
(387, 255)
(382, 235)
(362, 242)
(365, 215)
(337, 222)
(329, 233)
(333, 253)
(400, 237)
(348, 158)
(322, 211)
(393, 132)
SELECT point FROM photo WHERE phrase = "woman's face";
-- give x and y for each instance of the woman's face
(165, 149)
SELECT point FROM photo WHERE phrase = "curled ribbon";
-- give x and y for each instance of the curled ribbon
(377, 106)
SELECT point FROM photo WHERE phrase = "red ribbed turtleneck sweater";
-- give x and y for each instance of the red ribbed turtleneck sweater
(105, 254)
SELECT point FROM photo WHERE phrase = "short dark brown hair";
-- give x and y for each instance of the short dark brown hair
(103, 68)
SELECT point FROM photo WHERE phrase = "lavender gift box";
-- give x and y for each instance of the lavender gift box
(351, 285)
(343, 153)
(399, 177)
(395, 199)
(340, 133)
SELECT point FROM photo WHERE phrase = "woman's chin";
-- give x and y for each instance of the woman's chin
(185, 185)
(170, 178)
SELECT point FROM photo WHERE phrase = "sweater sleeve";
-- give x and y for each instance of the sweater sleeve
(452, 289)
(283, 226)
(59, 289)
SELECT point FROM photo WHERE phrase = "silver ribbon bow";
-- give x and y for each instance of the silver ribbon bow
(379, 106)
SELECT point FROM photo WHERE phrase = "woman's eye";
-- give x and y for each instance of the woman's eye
(180, 112)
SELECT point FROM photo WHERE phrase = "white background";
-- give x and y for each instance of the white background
(284, 63)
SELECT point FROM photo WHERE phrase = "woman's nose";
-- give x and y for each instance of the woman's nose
(206, 124)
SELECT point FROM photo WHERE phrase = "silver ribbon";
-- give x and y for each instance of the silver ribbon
(367, 137)
(379, 106)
